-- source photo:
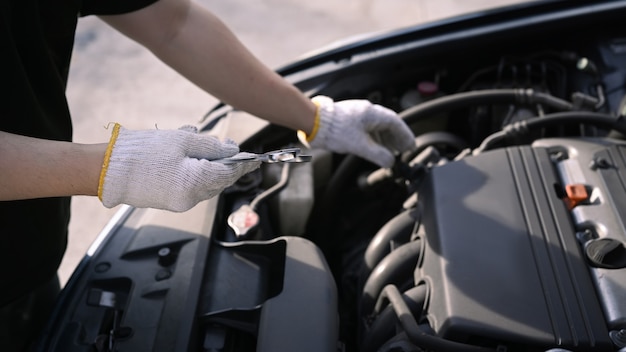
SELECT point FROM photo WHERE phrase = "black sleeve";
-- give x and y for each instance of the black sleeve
(112, 7)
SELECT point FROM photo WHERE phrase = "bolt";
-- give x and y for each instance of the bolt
(599, 163)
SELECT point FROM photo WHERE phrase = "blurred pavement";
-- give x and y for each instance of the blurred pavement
(112, 79)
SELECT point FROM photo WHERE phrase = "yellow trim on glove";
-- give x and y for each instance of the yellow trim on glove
(107, 156)
(316, 126)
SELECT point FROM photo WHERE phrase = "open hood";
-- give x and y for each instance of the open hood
(503, 231)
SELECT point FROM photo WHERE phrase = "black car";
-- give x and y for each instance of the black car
(503, 230)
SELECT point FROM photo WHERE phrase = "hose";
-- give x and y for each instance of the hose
(384, 327)
(414, 333)
(393, 269)
(482, 97)
(395, 232)
(601, 120)
(436, 139)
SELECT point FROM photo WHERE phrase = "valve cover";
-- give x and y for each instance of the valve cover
(503, 260)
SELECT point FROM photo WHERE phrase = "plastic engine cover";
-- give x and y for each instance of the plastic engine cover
(501, 257)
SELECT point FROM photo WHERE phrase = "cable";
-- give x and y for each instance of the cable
(483, 97)
(521, 128)
(414, 333)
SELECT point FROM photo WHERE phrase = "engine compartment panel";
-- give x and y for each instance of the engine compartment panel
(502, 258)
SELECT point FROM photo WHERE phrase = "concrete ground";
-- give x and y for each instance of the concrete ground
(115, 80)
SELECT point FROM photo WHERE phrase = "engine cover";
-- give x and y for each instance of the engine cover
(502, 260)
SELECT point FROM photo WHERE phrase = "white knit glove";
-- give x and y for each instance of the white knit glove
(166, 169)
(359, 127)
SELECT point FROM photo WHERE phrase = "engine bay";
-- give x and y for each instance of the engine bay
(503, 230)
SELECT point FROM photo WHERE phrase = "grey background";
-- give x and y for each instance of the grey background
(112, 79)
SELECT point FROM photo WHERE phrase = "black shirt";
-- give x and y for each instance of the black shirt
(36, 40)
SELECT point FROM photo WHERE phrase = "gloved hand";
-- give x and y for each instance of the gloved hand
(166, 169)
(359, 127)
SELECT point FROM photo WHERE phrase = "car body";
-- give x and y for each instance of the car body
(502, 230)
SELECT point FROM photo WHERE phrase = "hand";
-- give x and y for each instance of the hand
(359, 127)
(166, 169)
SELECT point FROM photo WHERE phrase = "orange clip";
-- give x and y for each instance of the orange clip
(575, 194)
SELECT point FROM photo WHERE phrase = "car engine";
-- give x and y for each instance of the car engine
(502, 230)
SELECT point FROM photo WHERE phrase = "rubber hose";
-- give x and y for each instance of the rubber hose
(415, 334)
(435, 139)
(393, 269)
(607, 121)
(396, 231)
(584, 117)
(482, 97)
(384, 327)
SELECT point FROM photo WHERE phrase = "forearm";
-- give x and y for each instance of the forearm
(37, 168)
(215, 60)
(222, 66)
